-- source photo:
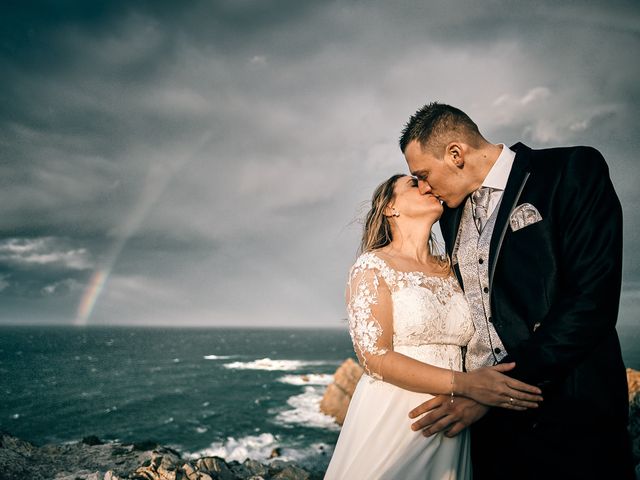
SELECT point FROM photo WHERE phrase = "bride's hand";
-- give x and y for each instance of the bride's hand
(489, 386)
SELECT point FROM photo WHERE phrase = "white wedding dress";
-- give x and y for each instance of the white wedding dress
(430, 323)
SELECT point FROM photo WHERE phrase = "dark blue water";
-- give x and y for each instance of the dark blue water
(228, 392)
(234, 393)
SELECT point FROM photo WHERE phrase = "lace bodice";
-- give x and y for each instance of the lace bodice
(394, 310)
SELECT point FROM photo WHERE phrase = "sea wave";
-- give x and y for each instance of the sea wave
(218, 357)
(260, 447)
(257, 447)
(306, 411)
(307, 379)
(269, 364)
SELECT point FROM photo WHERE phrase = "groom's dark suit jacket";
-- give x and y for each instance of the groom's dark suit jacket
(555, 289)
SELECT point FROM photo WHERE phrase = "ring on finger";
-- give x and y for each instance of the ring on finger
(511, 400)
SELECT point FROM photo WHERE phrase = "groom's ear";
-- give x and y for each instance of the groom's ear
(455, 152)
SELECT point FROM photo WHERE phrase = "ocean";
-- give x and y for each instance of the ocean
(235, 393)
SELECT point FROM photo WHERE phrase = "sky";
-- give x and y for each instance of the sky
(205, 163)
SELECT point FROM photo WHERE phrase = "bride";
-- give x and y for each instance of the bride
(409, 320)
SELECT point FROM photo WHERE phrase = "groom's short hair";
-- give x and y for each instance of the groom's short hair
(436, 124)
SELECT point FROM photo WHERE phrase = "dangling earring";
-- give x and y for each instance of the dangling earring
(395, 212)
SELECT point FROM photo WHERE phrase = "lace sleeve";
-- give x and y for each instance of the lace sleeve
(369, 310)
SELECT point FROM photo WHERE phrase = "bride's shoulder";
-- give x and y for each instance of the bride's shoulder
(370, 260)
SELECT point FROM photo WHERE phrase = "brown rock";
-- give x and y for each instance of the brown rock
(190, 472)
(255, 467)
(338, 395)
(291, 472)
(275, 453)
(633, 379)
(145, 473)
(162, 466)
(217, 466)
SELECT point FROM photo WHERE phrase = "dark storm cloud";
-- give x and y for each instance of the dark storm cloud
(213, 155)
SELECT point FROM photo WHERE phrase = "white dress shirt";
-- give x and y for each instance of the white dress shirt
(498, 176)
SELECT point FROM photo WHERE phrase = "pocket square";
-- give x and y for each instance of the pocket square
(523, 216)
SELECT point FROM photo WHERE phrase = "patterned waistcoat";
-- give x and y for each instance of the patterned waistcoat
(472, 255)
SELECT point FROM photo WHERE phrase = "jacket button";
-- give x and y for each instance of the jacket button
(497, 350)
(490, 319)
(485, 289)
(480, 261)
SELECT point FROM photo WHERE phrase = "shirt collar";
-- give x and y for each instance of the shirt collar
(499, 173)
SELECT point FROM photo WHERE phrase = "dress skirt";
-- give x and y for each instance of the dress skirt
(376, 440)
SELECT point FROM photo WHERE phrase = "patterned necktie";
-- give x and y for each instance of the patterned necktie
(480, 200)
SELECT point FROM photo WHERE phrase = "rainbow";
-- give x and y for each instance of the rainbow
(90, 296)
(157, 179)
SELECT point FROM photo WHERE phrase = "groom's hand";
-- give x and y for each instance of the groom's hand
(440, 414)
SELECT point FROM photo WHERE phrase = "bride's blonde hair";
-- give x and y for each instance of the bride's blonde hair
(376, 232)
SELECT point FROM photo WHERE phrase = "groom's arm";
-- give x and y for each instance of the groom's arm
(585, 310)
(439, 413)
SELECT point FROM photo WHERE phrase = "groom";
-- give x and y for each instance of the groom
(535, 239)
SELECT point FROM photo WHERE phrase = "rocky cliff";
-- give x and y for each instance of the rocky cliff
(93, 460)
(338, 394)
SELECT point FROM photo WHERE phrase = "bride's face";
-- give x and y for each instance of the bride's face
(411, 203)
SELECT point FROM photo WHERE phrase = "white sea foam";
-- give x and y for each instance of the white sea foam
(217, 357)
(303, 456)
(269, 364)
(306, 410)
(307, 379)
(259, 447)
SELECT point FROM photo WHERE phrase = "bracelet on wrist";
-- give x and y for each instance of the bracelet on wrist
(452, 382)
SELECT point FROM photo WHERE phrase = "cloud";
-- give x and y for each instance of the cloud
(222, 149)
(535, 94)
(62, 287)
(259, 60)
(25, 252)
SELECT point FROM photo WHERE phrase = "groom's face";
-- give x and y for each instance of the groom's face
(441, 177)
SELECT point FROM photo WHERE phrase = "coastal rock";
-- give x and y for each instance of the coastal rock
(633, 379)
(95, 460)
(256, 468)
(275, 453)
(82, 474)
(189, 472)
(92, 440)
(291, 472)
(338, 394)
(20, 459)
(217, 467)
(634, 428)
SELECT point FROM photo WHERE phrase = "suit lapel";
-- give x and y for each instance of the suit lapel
(517, 179)
(450, 224)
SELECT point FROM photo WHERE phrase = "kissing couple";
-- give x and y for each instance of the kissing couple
(499, 358)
